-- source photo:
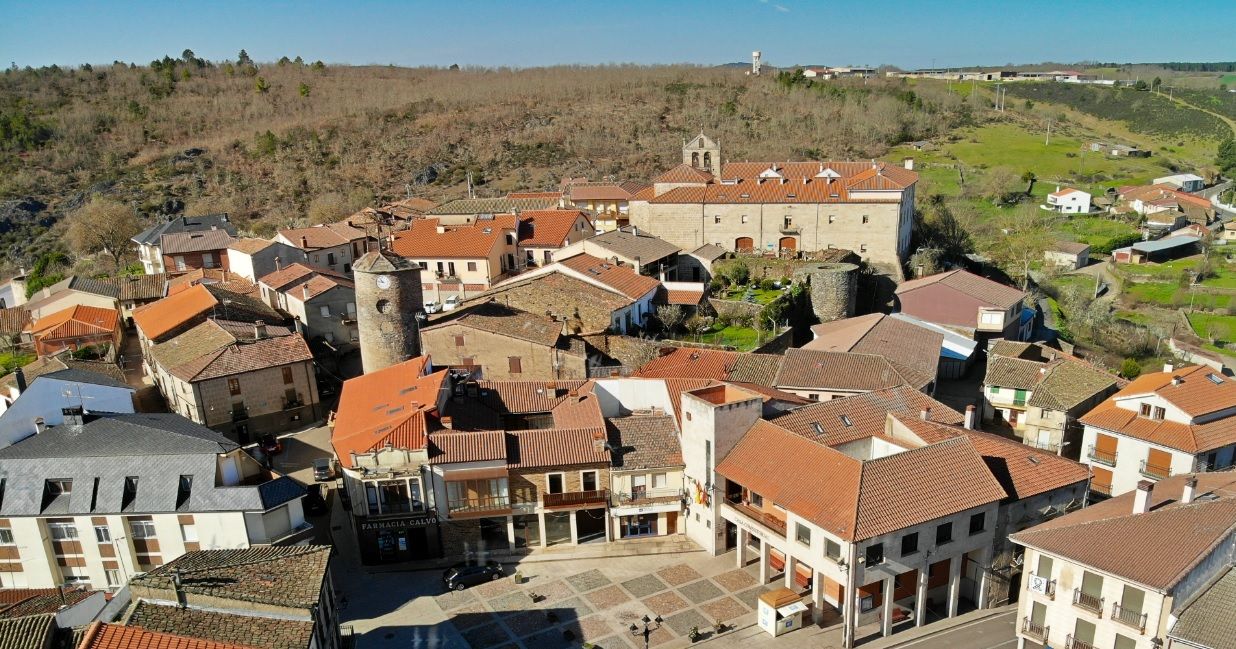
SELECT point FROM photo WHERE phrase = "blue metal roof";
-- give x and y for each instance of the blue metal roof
(1165, 244)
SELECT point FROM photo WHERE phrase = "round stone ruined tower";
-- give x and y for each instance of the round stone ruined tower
(834, 289)
(388, 297)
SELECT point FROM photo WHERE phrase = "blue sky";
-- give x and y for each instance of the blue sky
(908, 33)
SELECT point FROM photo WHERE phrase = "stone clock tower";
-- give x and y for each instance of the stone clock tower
(388, 297)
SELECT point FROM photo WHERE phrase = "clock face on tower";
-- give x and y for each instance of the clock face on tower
(384, 281)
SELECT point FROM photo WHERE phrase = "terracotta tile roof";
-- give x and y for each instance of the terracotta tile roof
(675, 388)
(689, 363)
(1071, 247)
(290, 576)
(755, 368)
(809, 369)
(1197, 395)
(621, 279)
(965, 282)
(497, 318)
(475, 241)
(322, 236)
(185, 354)
(115, 636)
(631, 243)
(409, 207)
(151, 236)
(534, 195)
(286, 275)
(847, 170)
(525, 397)
(683, 173)
(687, 298)
(560, 293)
(236, 355)
(76, 321)
(161, 317)
(450, 447)
(854, 499)
(231, 629)
(1023, 471)
(1013, 373)
(31, 632)
(196, 241)
(644, 442)
(216, 277)
(1066, 191)
(1157, 548)
(14, 319)
(317, 285)
(1205, 619)
(912, 349)
(582, 411)
(1068, 383)
(390, 405)
(138, 288)
(1201, 391)
(556, 447)
(826, 422)
(549, 228)
(250, 245)
(11, 596)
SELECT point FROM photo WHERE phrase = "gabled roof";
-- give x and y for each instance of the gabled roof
(1200, 392)
(250, 245)
(1066, 191)
(288, 576)
(644, 442)
(804, 368)
(31, 632)
(75, 322)
(14, 319)
(296, 273)
(1069, 383)
(40, 601)
(556, 447)
(472, 241)
(862, 415)
(1071, 247)
(215, 277)
(631, 243)
(548, 228)
(231, 629)
(493, 205)
(47, 365)
(104, 287)
(599, 191)
(1205, 619)
(967, 283)
(114, 636)
(137, 288)
(159, 318)
(620, 279)
(1013, 373)
(451, 447)
(1157, 548)
(218, 348)
(142, 434)
(709, 251)
(322, 236)
(497, 318)
(152, 235)
(683, 173)
(912, 348)
(207, 240)
(395, 405)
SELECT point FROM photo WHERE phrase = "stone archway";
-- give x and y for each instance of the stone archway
(707, 161)
(744, 244)
(695, 159)
(788, 243)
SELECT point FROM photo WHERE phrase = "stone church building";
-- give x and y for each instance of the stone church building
(777, 207)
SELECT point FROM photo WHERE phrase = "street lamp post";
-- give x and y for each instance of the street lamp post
(649, 627)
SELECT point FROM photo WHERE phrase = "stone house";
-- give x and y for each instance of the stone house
(647, 488)
(322, 303)
(184, 251)
(333, 246)
(494, 341)
(150, 241)
(255, 258)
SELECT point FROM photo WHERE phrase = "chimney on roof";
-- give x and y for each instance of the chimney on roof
(574, 392)
(1168, 367)
(278, 263)
(969, 420)
(441, 229)
(926, 414)
(181, 600)
(909, 163)
(1176, 380)
(1141, 498)
(259, 330)
(635, 230)
(72, 415)
(39, 425)
(637, 263)
(20, 375)
(304, 292)
(1190, 487)
(304, 241)
(446, 421)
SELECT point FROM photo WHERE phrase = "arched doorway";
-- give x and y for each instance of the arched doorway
(744, 244)
(788, 243)
(707, 161)
(695, 159)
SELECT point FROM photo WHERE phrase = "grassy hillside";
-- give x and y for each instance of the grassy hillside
(1142, 111)
(274, 144)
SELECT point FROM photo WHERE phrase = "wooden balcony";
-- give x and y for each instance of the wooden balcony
(1087, 602)
(1129, 617)
(572, 499)
(767, 520)
(1036, 631)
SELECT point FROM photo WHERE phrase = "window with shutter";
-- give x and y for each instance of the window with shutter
(459, 341)
(515, 365)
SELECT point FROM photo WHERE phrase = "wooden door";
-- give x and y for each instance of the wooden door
(744, 244)
(788, 243)
(671, 522)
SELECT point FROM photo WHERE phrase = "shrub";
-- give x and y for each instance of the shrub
(1130, 369)
(768, 284)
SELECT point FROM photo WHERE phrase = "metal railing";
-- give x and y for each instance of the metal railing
(1129, 617)
(1073, 643)
(1154, 470)
(767, 520)
(478, 504)
(576, 498)
(1091, 603)
(1042, 586)
(1102, 457)
(1042, 446)
(1036, 631)
(1101, 487)
(619, 498)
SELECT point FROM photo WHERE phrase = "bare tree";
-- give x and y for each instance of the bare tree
(671, 316)
(1023, 239)
(103, 225)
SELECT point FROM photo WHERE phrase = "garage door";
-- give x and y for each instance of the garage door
(788, 243)
(744, 244)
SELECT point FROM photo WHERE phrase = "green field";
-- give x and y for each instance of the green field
(744, 339)
(1221, 327)
(1229, 79)
(1099, 232)
(1142, 111)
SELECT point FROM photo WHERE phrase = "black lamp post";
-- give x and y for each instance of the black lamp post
(648, 628)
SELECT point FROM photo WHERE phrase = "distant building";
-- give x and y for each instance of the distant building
(962, 300)
(255, 258)
(1183, 182)
(643, 251)
(1068, 201)
(150, 241)
(494, 341)
(1069, 255)
(1160, 250)
(333, 246)
(193, 250)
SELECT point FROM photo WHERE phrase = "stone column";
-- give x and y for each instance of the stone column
(954, 584)
(540, 516)
(790, 564)
(741, 550)
(920, 600)
(574, 529)
(886, 615)
(817, 595)
(763, 562)
(984, 577)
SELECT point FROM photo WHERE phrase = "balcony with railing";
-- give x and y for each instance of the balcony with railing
(1101, 456)
(1104, 488)
(643, 496)
(479, 504)
(571, 499)
(1042, 446)
(1156, 471)
(1073, 643)
(1034, 630)
(777, 525)
(1131, 618)
(1041, 585)
(1086, 601)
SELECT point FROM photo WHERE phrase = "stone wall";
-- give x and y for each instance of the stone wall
(386, 317)
(833, 290)
(493, 353)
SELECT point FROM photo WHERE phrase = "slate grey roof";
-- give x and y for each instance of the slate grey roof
(153, 234)
(709, 251)
(157, 449)
(631, 243)
(76, 375)
(1206, 619)
(278, 491)
(105, 287)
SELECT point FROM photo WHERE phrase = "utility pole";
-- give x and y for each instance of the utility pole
(1048, 142)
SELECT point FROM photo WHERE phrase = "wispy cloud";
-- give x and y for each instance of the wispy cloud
(782, 8)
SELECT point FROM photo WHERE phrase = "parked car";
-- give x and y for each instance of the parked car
(271, 445)
(463, 575)
(451, 303)
(323, 469)
(432, 306)
(315, 501)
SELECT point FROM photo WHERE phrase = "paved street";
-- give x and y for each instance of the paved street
(995, 632)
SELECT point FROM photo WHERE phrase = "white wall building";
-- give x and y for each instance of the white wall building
(1068, 201)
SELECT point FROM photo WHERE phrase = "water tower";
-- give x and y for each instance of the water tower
(755, 63)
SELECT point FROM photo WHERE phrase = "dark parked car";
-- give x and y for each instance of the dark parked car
(315, 501)
(323, 469)
(271, 445)
(463, 575)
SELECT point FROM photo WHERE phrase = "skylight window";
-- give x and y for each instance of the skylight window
(1215, 378)
(845, 419)
(817, 427)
